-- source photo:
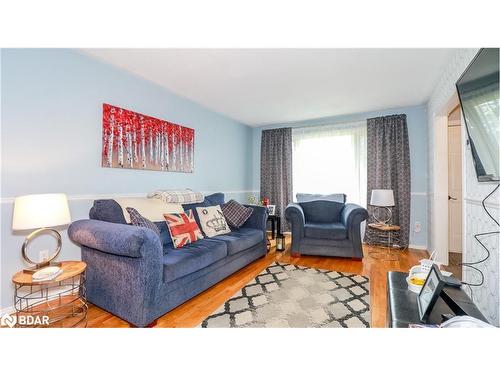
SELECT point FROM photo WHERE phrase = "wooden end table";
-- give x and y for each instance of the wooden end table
(390, 254)
(60, 302)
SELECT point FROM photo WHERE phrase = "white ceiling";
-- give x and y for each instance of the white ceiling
(265, 86)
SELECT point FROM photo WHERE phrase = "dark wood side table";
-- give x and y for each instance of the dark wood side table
(275, 225)
(275, 228)
(60, 302)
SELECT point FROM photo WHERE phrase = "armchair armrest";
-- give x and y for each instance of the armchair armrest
(258, 219)
(118, 239)
(295, 215)
(351, 216)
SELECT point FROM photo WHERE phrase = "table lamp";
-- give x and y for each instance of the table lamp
(382, 198)
(40, 212)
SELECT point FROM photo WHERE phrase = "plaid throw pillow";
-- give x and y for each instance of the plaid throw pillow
(183, 228)
(178, 196)
(140, 221)
(235, 213)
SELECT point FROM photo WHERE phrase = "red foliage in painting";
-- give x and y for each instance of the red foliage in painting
(133, 140)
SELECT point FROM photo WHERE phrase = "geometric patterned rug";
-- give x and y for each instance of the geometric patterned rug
(286, 295)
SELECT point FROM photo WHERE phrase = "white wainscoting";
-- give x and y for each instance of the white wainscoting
(487, 296)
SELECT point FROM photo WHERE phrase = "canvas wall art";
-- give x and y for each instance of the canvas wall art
(136, 141)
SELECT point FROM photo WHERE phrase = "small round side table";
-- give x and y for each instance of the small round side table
(60, 302)
(390, 254)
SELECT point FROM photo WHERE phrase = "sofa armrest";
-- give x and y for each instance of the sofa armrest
(124, 267)
(352, 216)
(118, 239)
(258, 219)
(295, 215)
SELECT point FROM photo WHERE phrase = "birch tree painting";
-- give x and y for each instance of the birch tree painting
(135, 141)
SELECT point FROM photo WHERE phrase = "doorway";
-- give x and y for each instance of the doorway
(455, 192)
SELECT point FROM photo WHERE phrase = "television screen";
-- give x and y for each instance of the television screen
(478, 90)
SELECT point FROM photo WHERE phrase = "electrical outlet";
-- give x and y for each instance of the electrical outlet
(43, 255)
(418, 227)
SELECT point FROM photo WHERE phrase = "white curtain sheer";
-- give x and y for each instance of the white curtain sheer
(331, 159)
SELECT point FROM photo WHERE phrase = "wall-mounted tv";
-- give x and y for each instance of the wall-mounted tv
(478, 90)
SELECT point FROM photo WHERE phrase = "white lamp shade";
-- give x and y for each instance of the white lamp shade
(382, 198)
(40, 211)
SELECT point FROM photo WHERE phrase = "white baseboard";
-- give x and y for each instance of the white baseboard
(410, 246)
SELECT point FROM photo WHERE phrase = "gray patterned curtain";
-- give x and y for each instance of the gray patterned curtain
(388, 167)
(276, 169)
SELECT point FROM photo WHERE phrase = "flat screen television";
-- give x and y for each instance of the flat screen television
(478, 90)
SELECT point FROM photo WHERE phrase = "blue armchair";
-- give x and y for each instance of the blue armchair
(326, 227)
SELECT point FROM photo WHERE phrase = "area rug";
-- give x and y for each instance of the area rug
(286, 295)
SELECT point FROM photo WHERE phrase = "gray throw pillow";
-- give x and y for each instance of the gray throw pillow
(140, 221)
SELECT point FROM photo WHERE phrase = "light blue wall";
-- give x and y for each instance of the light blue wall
(51, 142)
(417, 133)
(51, 104)
(52, 128)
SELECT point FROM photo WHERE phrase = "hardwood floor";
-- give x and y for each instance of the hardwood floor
(192, 312)
(454, 261)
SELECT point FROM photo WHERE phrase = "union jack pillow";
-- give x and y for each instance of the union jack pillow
(183, 228)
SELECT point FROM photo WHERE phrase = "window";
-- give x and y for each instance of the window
(331, 159)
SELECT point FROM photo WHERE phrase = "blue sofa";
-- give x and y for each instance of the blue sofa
(139, 277)
(326, 225)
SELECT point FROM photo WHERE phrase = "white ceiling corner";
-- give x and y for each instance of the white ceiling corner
(264, 86)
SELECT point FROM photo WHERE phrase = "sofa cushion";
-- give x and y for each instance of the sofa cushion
(327, 231)
(165, 237)
(216, 199)
(240, 239)
(107, 210)
(302, 197)
(191, 258)
(322, 211)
